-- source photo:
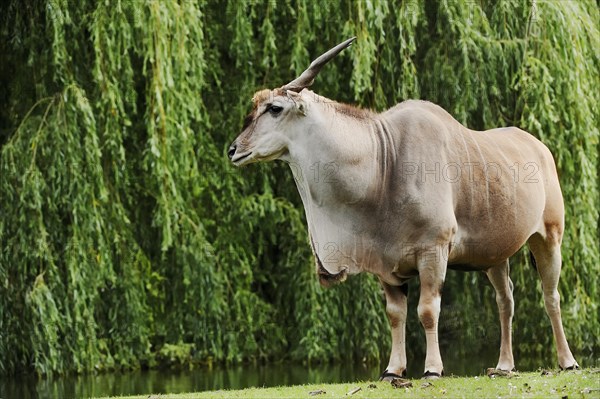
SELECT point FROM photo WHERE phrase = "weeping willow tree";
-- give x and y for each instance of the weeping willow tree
(126, 238)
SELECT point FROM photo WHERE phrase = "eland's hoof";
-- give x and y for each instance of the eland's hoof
(432, 375)
(387, 376)
(575, 366)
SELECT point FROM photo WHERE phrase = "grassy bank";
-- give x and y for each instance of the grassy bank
(553, 384)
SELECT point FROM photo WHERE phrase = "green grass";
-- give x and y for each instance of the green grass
(571, 384)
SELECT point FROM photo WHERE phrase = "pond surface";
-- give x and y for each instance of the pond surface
(250, 375)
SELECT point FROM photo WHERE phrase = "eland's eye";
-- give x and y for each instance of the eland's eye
(274, 109)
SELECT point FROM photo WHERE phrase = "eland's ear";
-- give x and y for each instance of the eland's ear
(299, 102)
(301, 107)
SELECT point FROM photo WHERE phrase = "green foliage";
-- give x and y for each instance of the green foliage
(127, 238)
(175, 355)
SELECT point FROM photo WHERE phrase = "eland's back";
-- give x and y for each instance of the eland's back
(498, 183)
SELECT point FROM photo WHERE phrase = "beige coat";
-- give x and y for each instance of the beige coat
(409, 192)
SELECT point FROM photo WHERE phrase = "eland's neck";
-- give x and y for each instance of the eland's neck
(339, 166)
(338, 160)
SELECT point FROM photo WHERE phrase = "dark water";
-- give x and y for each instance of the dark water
(171, 381)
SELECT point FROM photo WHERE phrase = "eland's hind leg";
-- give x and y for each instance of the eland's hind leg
(498, 276)
(546, 251)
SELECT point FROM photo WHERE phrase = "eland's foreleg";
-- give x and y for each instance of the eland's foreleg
(499, 277)
(432, 272)
(395, 306)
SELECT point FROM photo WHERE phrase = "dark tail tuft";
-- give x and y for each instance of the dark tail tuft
(532, 259)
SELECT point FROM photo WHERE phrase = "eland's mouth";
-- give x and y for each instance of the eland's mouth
(238, 160)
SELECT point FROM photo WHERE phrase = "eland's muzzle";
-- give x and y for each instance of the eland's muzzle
(231, 151)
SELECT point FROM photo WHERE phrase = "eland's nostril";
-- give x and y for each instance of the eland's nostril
(231, 151)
